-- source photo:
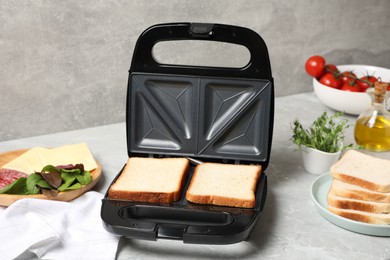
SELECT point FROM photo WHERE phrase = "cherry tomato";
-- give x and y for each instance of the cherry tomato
(366, 82)
(330, 80)
(347, 77)
(315, 66)
(331, 68)
(351, 86)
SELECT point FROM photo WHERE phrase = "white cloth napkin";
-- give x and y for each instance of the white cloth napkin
(56, 230)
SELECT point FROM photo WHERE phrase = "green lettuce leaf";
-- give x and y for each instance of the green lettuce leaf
(16, 187)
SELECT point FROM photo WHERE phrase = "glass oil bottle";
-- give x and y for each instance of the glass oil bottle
(372, 128)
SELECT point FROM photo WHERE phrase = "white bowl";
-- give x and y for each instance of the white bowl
(353, 103)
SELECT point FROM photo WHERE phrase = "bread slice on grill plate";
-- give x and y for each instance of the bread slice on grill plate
(155, 180)
(224, 185)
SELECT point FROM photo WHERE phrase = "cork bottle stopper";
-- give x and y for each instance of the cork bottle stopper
(380, 91)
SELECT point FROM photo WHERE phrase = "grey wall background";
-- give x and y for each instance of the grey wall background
(64, 64)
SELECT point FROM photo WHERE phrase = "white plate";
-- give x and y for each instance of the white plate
(319, 193)
(353, 103)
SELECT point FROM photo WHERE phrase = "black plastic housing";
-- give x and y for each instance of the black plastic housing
(211, 114)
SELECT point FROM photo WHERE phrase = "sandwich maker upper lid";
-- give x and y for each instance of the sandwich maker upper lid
(207, 113)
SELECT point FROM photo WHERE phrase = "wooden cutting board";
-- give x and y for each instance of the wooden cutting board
(8, 199)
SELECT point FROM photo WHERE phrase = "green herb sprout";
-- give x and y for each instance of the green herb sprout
(325, 134)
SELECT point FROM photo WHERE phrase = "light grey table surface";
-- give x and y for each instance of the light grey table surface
(289, 226)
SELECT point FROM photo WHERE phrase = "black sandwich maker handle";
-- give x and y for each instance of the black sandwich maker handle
(258, 67)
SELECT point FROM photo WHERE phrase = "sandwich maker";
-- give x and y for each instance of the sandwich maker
(207, 114)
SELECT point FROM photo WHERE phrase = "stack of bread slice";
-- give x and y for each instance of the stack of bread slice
(360, 188)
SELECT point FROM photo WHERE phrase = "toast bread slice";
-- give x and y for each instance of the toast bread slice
(350, 191)
(224, 185)
(367, 217)
(360, 205)
(363, 170)
(154, 180)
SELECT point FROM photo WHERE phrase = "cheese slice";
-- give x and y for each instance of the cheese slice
(28, 162)
(32, 160)
(38, 157)
(69, 154)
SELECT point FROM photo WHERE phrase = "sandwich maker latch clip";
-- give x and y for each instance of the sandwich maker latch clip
(201, 30)
(171, 231)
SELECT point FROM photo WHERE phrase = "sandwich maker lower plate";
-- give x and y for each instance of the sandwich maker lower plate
(183, 220)
(210, 114)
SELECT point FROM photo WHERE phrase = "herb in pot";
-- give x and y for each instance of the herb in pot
(324, 134)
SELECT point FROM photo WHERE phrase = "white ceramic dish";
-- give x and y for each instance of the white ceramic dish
(316, 161)
(319, 192)
(353, 103)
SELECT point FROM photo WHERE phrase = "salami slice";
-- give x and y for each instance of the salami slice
(7, 176)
